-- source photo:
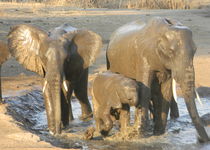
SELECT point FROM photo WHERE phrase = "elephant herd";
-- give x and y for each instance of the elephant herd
(144, 61)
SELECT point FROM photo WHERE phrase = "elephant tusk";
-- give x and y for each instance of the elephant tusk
(174, 89)
(65, 85)
(198, 98)
(51, 133)
(45, 84)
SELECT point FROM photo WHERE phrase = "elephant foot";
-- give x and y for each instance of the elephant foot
(174, 116)
(158, 132)
(86, 117)
(145, 130)
(64, 125)
(144, 134)
(53, 131)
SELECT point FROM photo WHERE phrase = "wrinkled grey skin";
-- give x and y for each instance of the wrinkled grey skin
(4, 55)
(113, 94)
(153, 54)
(62, 56)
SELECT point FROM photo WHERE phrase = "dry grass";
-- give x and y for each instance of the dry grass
(146, 4)
(159, 4)
(137, 4)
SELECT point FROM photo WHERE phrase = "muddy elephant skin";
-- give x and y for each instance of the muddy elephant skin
(154, 53)
(113, 94)
(4, 55)
(62, 59)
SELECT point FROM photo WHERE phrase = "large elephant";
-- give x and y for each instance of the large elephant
(62, 59)
(157, 53)
(4, 55)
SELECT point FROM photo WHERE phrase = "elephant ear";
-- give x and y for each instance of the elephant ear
(88, 45)
(27, 43)
(167, 45)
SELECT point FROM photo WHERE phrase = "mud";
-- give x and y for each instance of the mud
(29, 113)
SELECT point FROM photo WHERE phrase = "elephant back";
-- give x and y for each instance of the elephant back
(57, 32)
(126, 30)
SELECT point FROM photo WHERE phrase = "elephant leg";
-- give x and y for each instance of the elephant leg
(166, 96)
(80, 90)
(67, 114)
(144, 98)
(174, 111)
(156, 100)
(144, 76)
(137, 120)
(124, 117)
(66, 109)
(99, 125)
(71, 117)
(98, 121)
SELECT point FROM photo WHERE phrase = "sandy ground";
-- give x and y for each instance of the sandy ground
(17, 80)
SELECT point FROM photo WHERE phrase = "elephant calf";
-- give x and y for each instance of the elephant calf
(113, 94)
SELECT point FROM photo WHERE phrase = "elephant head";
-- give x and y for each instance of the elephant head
(128, 92)
(176, 49)
(50, 57)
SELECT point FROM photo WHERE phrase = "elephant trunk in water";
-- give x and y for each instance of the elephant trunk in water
(188, 90)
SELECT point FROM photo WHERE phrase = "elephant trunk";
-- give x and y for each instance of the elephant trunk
(52, 90)
(57, 102)
(188, 90)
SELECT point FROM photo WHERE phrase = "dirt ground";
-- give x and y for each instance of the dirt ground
(16, 80)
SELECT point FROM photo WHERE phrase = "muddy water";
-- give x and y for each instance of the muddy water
(28, 110)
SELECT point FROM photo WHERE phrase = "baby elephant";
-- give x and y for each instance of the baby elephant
(113, 94)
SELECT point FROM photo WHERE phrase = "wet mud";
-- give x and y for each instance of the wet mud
(28, 112)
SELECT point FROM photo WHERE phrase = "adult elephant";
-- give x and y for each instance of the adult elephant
(155, 53)
(4, 55)
(62, 59)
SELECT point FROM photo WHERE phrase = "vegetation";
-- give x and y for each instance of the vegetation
(137, 4)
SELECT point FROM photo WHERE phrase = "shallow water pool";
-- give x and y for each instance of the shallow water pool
(28, 110)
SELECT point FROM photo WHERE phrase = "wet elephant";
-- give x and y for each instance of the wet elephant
(113, 94)
(63, 61)
(4, 55)
(161, 49)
